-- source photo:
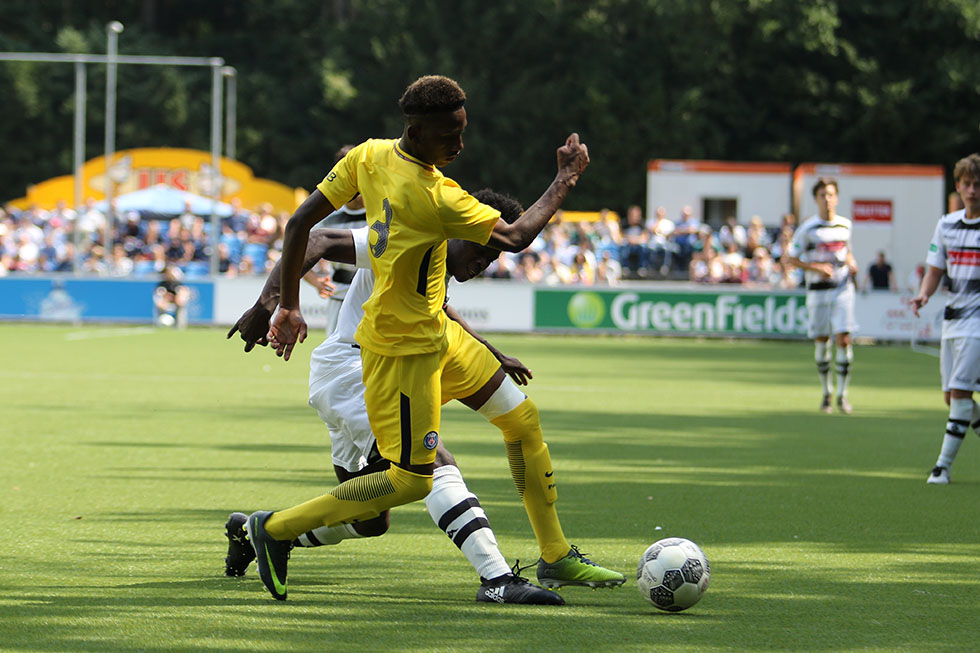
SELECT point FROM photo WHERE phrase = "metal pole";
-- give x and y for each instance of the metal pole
(215, 160)
(113, 30)
(230, 110)
(78, 161)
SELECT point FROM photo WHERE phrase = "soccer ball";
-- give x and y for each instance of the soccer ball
(673, 574)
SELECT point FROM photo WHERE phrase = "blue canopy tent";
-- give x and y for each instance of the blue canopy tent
(166, 200)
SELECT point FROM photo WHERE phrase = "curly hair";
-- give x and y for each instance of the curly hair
(510, 209)
(432, 94)
(968, 166)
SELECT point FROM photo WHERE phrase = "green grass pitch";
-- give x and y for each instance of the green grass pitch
(122, 451)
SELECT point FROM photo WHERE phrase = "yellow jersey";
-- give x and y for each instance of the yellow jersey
(412, 210)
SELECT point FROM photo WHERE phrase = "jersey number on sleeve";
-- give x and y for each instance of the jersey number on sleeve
(382, 229)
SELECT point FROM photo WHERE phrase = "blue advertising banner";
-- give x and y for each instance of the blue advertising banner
(70, 299)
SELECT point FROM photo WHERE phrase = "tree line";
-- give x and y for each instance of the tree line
(748, 80)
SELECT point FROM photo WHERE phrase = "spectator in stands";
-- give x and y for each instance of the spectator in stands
(756, 236)
(501, 268)
(635, 257)
(732, 232)
(528, 269)
(119, 264)
(759, 270)
(880, 275)
(662, 248)
(685, 236)
(733, 262)
(238, 220)
(61, 216)
(608, 271)
(609, 234)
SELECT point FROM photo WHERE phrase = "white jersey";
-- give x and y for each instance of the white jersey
(343, 218)
(955, 248)
(819, 241)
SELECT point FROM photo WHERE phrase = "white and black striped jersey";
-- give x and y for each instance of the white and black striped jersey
(819, 241)
(955, 248)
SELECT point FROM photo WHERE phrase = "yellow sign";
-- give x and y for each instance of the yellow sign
(183, 169)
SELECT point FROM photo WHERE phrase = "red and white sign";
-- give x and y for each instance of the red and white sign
(872, 211)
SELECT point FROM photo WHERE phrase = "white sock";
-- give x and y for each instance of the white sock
(845, 355)
(822, 355)
(960, 411)
(458, 513)
(327, 535)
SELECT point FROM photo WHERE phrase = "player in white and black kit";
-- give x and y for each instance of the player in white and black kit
(821, 246)
(955, 252)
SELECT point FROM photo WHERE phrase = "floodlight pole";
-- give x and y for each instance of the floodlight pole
(216, 180)
(78, 161)
(113, 29)
(111, 59)
(231, 109)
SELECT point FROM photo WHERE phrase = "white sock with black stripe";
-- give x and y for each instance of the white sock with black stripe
(327, 535)
(960, 411)
(844, 358)
(821, 354)
(458, 513)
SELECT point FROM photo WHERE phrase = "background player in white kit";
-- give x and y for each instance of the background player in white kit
(337, 394)
(955, 251)
(821, 246)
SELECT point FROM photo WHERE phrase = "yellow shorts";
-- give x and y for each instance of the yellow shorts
(467, 365)
(403, 394)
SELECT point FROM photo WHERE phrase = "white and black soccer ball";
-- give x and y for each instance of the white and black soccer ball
(673, 574)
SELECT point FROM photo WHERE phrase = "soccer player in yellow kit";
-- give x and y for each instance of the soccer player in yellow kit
(412, 210)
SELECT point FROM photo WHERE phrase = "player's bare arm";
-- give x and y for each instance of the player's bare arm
(573, 158)
(514, 368)
(288, 326)
(930, 283)
(331, 244)
(825, 269)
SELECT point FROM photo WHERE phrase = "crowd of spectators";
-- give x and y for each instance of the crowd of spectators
(604, 251)
(142, 244)
(608, 250)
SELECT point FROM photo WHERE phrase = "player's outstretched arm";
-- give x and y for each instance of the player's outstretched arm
(573, 158)
(331, 244)
(288, 326)
(930, 283)
(517, 371)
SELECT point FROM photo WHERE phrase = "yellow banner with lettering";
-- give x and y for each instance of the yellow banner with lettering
(184, 169)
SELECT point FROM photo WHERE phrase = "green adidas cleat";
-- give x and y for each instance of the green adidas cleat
(271, 556)
(576, 569)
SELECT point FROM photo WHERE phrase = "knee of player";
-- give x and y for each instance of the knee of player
(375, 527)
(443, 457)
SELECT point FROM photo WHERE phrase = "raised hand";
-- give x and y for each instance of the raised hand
(287, 328)
(254, 327)
(573, 158)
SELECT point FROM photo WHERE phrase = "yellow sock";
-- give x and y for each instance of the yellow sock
(530, 466)
(362, 497)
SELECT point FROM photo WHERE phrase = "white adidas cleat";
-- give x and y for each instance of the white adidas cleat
(939, 475)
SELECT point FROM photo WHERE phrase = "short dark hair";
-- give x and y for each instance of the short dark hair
(968, 166)
(342, 152)
(823, 182)
(432, 94)
(510, 209)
